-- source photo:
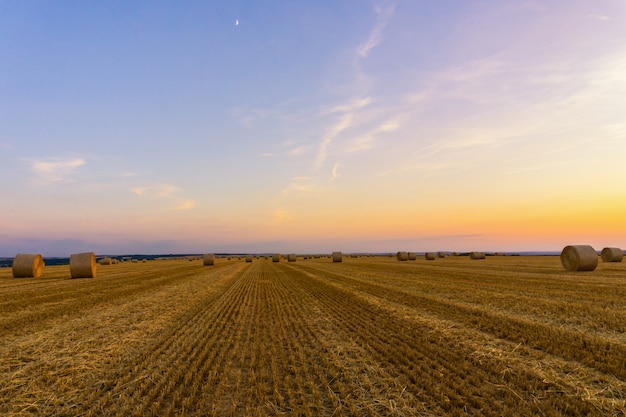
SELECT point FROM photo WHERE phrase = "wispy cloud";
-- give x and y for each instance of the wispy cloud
(298, 185)
(171, 194)
(54, 169)
(335, 172)
(376, 35)
(280, 216)
(344, 123)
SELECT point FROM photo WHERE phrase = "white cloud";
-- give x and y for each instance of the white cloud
(344, 123)
(280, 216)
(168, 193)
(376, 35)
(335, 172)
(52, 170)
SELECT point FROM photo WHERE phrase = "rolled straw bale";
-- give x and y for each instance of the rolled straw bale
(579, 258)
(208, 259)
(291, 257)
(612, 255)
(83, 265)
(402, 256)
(411, 256)
(106, 261)
(248, 258)
(441, 255)
(27, 265)
(276, 257)
(430, 256)
(337, 257)
(477, 255)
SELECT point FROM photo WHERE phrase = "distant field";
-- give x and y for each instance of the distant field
(504, 336)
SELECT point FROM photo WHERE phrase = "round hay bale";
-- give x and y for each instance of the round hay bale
(477, 255)
(106, 261)
(208, 259)
(441, 255)
(83, 265)
(411, 256)
(337, 257)
(402, 256)
(291, 257)
(27, 265)
(579, 258)
(248, 258)
(612, 255)
(276, 257)
(429, 256)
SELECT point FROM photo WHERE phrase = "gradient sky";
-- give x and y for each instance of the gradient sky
(311, 126)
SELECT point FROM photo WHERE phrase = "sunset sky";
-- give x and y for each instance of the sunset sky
(311, 126)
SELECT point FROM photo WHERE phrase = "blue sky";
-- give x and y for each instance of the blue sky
(311, 126)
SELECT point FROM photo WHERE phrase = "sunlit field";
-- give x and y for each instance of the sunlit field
(370, 336)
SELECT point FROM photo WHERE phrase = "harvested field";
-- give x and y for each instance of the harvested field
(370, 336)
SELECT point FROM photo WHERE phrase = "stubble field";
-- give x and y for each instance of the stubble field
(371, 336)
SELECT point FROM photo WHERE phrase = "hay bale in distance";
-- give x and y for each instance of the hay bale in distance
(441, 255)
(291, 257)
(429, 256)
(106, 261)
(612, 255)
(83, 265)
(579, 258)
(208, 259)
(402, 256)
(27, 265)
(337, 257)
(276, 257)
(411, 256)
(248, 258)
(477, 255)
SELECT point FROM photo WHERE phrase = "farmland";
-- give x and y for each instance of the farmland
(503, 336)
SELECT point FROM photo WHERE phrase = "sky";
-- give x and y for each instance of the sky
(311, 126)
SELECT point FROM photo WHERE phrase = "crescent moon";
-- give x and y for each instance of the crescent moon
(236, 22)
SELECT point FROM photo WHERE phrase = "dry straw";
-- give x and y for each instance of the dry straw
(441, 255)
(477, 255)
(291, 257)
(337, 256)
(579, 258)
(106, 261)
(411, 255)
(209, 259)
(248, 258)
(612, 255)
(402, 256)
(27, 265)
(83, 265)
(429, 256)
(276, 257)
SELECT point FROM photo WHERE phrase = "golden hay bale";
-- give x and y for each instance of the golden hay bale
(477, 255)
(276, 257)
(208, 259)
(402, 256)
(106, 261)
(579, 258)
(291, 257)
(83, 265)
(411, 256)
(248, 258)
(612, 255)
(429, 256)
(337, 257)
(441, 255)
(27, 265)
